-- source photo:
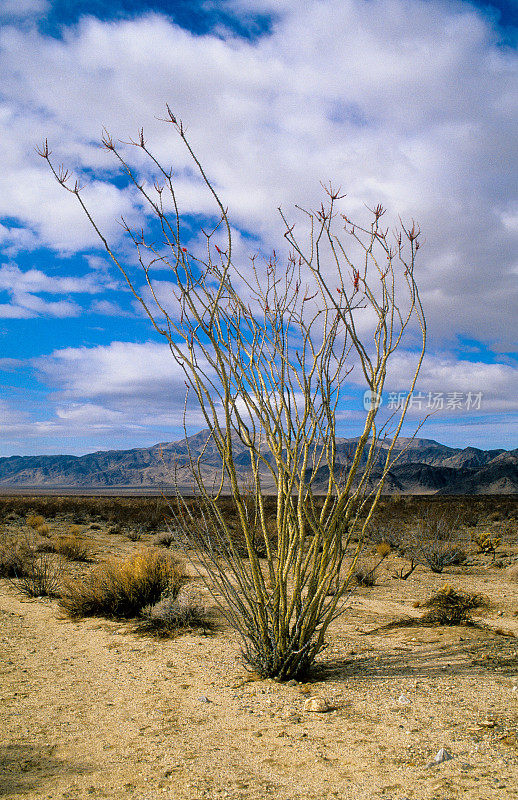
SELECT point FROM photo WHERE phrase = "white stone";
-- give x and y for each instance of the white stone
(318, 705)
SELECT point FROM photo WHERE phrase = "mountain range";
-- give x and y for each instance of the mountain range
(423, 467)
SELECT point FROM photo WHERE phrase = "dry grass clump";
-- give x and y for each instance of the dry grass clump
(164, 539)
(365, 576)
(171, 615)
(15, 555)
(73, 547)
(43, 530)
(41, 578)
(121, 590)
(35, 521)
(450, 606)
(34, 573)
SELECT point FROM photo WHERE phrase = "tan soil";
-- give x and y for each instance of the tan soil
(89, 710)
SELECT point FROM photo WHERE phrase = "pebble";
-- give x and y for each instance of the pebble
(403, 700)
(317, 705)
(203, 699)
(441, 756)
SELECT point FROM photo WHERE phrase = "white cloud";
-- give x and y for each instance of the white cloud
(407, 103)
(411, 103)
(119, 372)
(498, 383)
(23, 8)
(12, 278)
(24, 288)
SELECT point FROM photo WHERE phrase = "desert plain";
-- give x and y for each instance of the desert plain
(92, 709)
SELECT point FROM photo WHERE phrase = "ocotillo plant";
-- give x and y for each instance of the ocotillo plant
(266, 349)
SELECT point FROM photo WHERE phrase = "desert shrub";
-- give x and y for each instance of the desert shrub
(75, 530)
(438, 556)
(170, 615)
(41, 576)
(365, 577)
(15, 556)
(134, 535)
(452, 607)
(121, 590)
(73, 547)
(115, 529)
(35, 520)
(164, 539)
(366, 574)
(435, 539)
(486, 542)
(43, 529)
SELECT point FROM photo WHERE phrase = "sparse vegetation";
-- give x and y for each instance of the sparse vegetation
(41, 577)
(451, 606)
(164, 539)
(16, 553)
(35, 521)
(486, 542)
(30, 567)
(73, 547)
(120, 590)
(170, 615)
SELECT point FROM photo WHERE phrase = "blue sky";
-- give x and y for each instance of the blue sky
(411, 103)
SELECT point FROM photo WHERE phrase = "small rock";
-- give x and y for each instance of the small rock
(403, 700)
(317, 705)
(441, 756)
(203, 699)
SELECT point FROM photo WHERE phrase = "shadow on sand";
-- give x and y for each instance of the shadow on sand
(26, 767)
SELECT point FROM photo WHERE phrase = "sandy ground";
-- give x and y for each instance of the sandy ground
(90, 710)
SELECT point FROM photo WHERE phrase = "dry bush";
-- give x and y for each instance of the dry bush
(15, 556)
(42, 576)
(164, 539)
(171, 615)
(435, 539)
(486, 542)
(438, 555)
(31, 570)
(452, 607)
(43, 530)
(35, 521)
(73, 547)
(134, 535)
(121, 590)
(365, 576)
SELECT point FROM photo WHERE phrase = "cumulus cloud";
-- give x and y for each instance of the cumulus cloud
(410, 104)
(19, 9)
(497, 383)
(24, 288)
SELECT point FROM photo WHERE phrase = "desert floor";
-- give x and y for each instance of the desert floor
(91, 710)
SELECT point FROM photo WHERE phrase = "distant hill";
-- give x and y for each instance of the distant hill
(423, 467)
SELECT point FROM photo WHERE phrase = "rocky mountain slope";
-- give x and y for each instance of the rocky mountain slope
(423, 466)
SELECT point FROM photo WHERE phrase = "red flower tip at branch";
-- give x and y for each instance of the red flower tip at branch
(184, 249)
(356, 279)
